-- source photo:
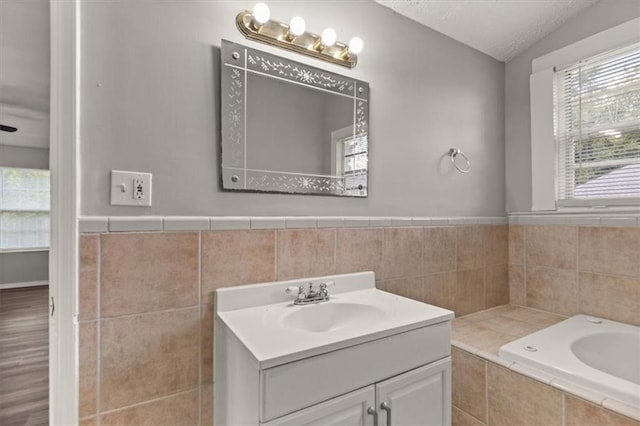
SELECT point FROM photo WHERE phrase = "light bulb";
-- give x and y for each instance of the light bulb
(297, 26)
(261, 13)
(355, 45)
(328, 37)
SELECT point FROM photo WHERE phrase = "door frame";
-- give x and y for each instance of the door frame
(63, 254)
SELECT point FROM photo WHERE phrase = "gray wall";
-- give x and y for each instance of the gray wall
(150, 102)
(30, 158)
(18, 267)
(24, 266)
(601, 16)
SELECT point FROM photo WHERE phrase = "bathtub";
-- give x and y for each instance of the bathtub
(594, 353)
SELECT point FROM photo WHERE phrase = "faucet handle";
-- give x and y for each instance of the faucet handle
(328, 284)
(297, 290)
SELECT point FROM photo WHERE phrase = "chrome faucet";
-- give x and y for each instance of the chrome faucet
(306, 296)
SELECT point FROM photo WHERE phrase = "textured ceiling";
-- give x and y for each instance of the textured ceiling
(24, 72)
(500, 28)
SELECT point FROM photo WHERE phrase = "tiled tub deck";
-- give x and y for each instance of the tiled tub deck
(488, 390)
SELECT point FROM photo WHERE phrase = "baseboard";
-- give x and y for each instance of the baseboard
(23, 284)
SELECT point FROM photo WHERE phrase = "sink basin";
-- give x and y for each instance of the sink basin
(273, 330)
(331, 316)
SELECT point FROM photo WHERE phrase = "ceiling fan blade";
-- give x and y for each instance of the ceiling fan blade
(8, 128)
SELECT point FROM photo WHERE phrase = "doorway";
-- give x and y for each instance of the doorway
(24, 211)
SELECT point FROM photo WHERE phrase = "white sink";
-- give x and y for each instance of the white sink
(274, 330)
(331, 316)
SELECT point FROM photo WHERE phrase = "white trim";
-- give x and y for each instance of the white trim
(98, 224)
(543, 144)
(25, 284)
(63, 259)
(576, 219)
(543, 147)
(613, 38)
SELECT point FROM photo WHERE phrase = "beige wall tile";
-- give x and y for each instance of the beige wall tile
(517, 288)
(509, 326)
(551, 246)
(441, 289)
(581, 413)
(402, 252)
(470, 295)
(88, 369)
(612, 297)
(496, 285)
(142, 272)
(610, 250)
(470, 252)
(305, 253)
(516, 244)
(480, 337)
(359, 250)
(236, 257)
(439, 250)
(88, 277)
(148, 356)
(469, 383)
(496, 245)
(406, 287)
(176, 410)
(539, 318)
(460, 418)
(206, 405)
(89, 421)
(554, 290)
(517, 400)
(206, 342)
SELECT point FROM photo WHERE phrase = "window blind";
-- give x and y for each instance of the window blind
(597, 126)
(24, 208)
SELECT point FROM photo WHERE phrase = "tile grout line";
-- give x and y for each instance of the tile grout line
(486, 388)
(524, 263)
(150, 401)
(178, 309)
(275, 255)
(199, 287)
(335, 250)
(485, 244)
(98, 329)
(455, 269)
(577, 257)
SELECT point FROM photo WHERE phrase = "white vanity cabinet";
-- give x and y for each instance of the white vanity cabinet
(418, 397)
(269, 372)
(351, 409)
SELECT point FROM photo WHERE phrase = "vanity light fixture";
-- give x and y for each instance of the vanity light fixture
(257, 25)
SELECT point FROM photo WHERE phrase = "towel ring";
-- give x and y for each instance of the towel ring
(453, 153)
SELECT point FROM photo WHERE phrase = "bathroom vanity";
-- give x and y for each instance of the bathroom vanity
(364, 357)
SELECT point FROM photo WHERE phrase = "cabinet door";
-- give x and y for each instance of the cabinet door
(346, 410)
(419, 397)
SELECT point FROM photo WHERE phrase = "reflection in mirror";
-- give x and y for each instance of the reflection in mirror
(288, 127)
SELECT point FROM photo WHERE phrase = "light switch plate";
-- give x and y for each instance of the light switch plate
(130, 188)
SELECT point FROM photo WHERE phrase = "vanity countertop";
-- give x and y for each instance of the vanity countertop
(262, 330)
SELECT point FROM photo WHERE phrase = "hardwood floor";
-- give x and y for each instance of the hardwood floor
(24, 356)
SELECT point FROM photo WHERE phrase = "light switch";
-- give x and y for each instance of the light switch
(130, 188)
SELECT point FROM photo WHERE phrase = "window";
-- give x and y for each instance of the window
(24, 209)
(597, 129)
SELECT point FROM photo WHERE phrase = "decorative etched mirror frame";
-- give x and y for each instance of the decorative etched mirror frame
(237, 61)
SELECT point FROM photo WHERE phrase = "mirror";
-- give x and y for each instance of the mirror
(291, 128)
